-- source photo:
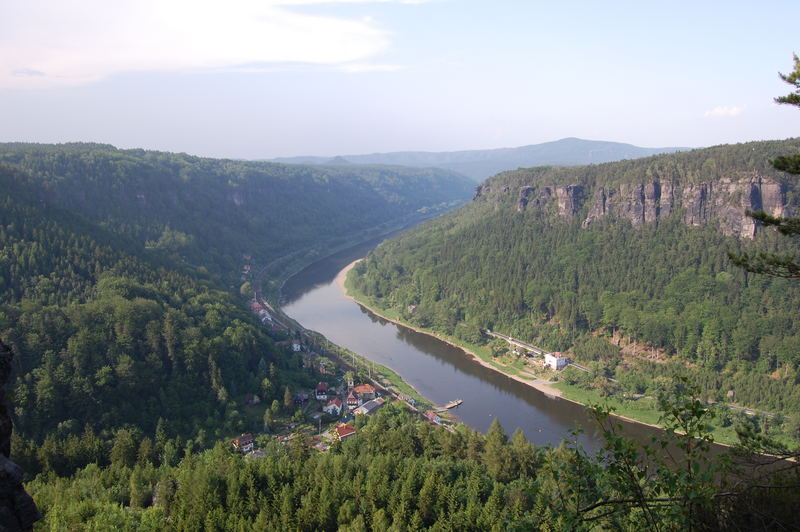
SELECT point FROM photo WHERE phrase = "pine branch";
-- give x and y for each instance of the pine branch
(785, 266)
(786, 226)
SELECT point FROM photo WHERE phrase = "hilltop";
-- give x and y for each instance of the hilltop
(481, 164)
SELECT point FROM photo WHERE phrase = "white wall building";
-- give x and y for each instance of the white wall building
(555, 360)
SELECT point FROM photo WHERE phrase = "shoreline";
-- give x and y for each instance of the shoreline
(539, 384)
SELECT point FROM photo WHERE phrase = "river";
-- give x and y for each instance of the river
(436, 369)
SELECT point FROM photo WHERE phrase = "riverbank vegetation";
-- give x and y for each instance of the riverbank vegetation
(636, 303)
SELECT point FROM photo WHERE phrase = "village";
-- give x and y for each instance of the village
(328, 412)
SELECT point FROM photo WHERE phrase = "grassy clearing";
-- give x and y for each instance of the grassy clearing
(644, 410)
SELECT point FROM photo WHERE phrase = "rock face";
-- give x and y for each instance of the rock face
(17, 509)
(723, 201)
(568, 198)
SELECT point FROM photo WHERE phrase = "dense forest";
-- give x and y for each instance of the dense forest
(119, 284)
(397, 474)
(552, 271)
(211, 211)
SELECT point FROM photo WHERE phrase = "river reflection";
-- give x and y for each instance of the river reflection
(438, 370)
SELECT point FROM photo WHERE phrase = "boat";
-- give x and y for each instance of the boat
(453, 404)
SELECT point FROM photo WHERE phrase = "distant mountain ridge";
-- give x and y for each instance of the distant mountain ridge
(481, 164)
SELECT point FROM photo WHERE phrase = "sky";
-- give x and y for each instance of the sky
(273, 78)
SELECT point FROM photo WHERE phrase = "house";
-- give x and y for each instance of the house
(244, 443)
(300, 398)
(352, 400)
(334, 407)
(555, 360)
(366, 392)
(433, 417)
(370, 407)
(296, 347)
(322, 391)
(344, 430)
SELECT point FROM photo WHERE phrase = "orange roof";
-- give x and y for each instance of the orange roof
(345, 430)
(364, 388)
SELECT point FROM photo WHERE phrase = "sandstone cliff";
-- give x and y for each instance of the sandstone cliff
(722, 201)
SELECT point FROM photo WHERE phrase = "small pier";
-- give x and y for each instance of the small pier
(452, 404)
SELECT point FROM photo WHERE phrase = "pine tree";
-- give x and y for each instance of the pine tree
(778, 265)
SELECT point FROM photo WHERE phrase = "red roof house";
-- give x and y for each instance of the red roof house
(352, 400)
(433, 417)
(344, 430)
(334, 407)
(244, 443)
(365, 391)
(322, 391)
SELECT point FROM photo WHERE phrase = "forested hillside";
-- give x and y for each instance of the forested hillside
(624, 265)
(211, 211)
(116, 277)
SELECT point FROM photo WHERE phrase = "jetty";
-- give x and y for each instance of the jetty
(452, 404)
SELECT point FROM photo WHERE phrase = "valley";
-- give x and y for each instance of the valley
(142, 322)
(636, 291)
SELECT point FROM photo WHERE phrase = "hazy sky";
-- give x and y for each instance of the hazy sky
(258, 79)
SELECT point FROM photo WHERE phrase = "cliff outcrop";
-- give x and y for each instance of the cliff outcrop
(568, 199)
(723, 201)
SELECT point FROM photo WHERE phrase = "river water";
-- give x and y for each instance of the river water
(436, 369)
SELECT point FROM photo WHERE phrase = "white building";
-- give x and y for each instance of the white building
(555, 360)
(334, 407)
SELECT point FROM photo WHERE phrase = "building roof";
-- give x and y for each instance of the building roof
(335, 401)
(244, 439)
(364, 388)
(344, 430)
(322, 386)
(370, 406)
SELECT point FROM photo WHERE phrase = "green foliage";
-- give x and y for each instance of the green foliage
(400, 474)
(667, 287)
(209, 212)
(778, 264)
(120, 282)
